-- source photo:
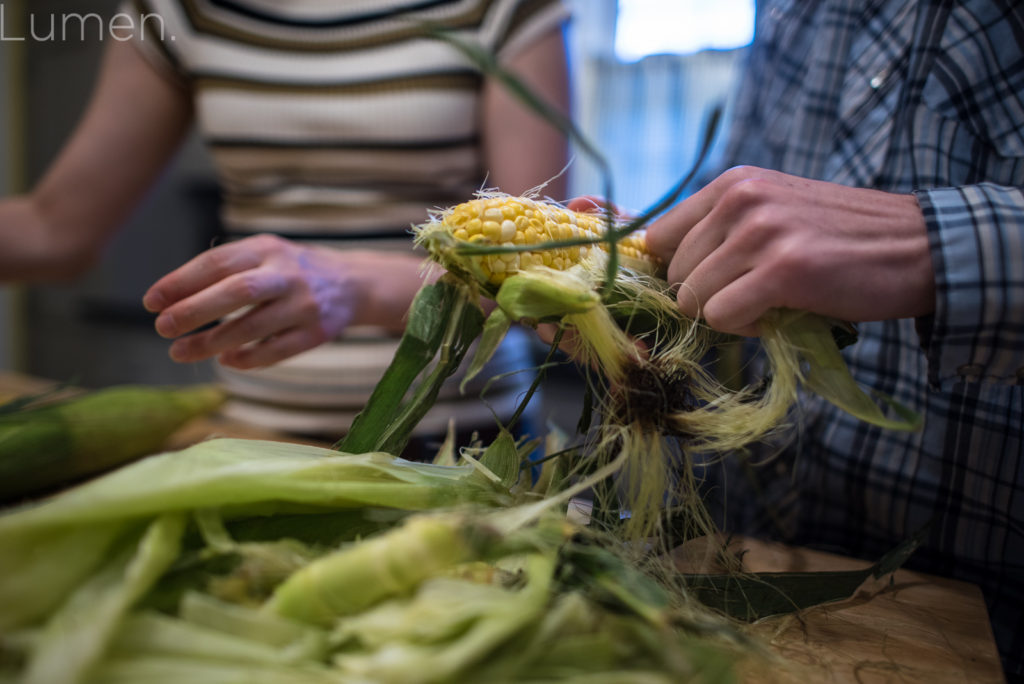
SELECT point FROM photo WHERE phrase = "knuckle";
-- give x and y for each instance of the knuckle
(736, 173)
(309, 310)
(753, 233)
(761, 224)
(316, 337)
(264, 241)
(786, 268)
(247, 287)
(220, 260)
(716, 318)
(747, 193)
(789, 255)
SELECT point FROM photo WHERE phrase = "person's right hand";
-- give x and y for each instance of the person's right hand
(266, 298)
(755, 239)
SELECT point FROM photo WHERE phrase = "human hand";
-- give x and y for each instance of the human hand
(754, 239)
(593, 204)
(290, 298)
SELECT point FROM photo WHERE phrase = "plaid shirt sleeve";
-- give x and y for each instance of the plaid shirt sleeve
(977, 239)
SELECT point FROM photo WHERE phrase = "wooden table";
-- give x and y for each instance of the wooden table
(909, 627)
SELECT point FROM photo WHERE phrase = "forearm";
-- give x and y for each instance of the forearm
(130, 130)
(34, 249)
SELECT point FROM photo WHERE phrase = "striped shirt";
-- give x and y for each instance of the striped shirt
(341, 122)
(337, 118)
(926, 98)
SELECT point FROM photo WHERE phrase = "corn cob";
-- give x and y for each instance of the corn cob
(517, 222)
(57, 444)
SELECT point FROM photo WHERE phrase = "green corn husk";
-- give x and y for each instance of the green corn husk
(487, 582)
(242, 478)
(75, 638)
(380, 567)
(57, 444)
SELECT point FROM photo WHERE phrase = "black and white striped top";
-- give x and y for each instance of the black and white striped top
(341, 122)
(337, 118)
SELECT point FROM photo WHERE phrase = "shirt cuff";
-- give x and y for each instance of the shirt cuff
(976, 240)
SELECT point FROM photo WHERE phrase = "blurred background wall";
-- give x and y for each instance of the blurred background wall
(8, 317)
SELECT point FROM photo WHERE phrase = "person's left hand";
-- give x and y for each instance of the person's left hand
(267, 298)
(754, 239)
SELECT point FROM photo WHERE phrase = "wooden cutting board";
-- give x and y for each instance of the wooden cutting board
(909, 627)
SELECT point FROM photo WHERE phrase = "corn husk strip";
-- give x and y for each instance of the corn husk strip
(443, 321)
(75, 638)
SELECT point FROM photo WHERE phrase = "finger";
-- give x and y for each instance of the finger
(220, 299)
(593, 204)
(270, 351)
(201, 272)
(695, 247)
(665, 235)
(714, 272)
(738, 307)
(257, 324)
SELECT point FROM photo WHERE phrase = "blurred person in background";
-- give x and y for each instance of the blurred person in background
(333, 127)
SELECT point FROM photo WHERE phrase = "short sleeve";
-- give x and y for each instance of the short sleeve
(152, 34)
(514, 25)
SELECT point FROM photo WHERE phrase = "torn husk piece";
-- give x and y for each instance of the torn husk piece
(543, 263)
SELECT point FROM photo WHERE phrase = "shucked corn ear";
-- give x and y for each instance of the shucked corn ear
(541, 262)
(515, 222)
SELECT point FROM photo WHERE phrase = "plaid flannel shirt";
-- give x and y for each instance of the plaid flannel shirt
(926, 98)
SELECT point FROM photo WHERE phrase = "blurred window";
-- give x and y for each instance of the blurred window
(652, 27)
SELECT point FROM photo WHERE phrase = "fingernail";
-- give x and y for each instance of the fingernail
(153, 302)
(165, 326)
(178, 352)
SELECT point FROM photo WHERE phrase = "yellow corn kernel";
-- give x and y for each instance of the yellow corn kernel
(520, 221)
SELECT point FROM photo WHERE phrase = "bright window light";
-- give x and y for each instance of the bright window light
(652, 27)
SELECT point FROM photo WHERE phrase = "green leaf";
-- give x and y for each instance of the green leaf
(78, 634)
(461, 326)
(417, 348)
(495, 329)
(829, 377)
(502, 459)
(758, 595)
